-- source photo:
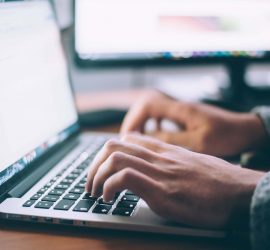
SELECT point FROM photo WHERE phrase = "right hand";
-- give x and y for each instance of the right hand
(180, 185)
(205, 129)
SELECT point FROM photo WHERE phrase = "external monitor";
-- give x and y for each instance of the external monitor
(171, 30)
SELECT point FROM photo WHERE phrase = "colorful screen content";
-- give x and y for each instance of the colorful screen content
(36, 103)
(119, 29)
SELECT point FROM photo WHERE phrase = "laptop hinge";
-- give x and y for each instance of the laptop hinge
(30, 180)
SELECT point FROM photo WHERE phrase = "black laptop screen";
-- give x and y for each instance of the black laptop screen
(37, 110)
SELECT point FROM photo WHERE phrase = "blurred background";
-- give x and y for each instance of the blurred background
(216, 51)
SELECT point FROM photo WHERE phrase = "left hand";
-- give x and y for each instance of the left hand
(204, 128)
(177, 184)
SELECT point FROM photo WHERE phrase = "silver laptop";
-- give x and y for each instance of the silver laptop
(43, 157)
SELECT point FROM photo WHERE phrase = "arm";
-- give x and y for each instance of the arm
(260, 205)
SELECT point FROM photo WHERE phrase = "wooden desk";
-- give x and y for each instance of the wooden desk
(25, 236)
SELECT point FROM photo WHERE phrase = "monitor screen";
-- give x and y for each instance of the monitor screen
(36, 103)
(171, 29)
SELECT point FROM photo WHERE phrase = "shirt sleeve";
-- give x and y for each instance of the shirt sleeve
(260, 215)
(264, 113)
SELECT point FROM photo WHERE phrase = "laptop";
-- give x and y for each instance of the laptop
(44, 158)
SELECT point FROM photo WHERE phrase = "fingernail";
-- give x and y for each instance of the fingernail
(106, 200)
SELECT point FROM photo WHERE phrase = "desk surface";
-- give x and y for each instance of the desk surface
(30, 236)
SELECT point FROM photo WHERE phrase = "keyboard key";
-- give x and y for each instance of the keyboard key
(54, 179)
(42, 190)
(77, 190)
(52, 198)
(64, 205)
(77, 171)
(44, 204)
(83, 165)
(71, 196)
(49, 184)
(62, 186)
(88, 196)
(117, 195)
(127, 204)
(129, 192)
(72, 176)
(101, 201)
(35, 197)
(84, 205)
(133, 198)
(102, 209)
(84, 179)
(122, 211)
(58, 192)
(67, 181)
(29, 203)
(63, 183)
(80, 185)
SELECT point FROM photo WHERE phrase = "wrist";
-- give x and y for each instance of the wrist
(240, 213)
(254, 131)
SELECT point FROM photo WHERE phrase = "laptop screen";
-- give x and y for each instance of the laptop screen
(36, 103)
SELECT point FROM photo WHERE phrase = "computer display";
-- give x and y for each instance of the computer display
(171, 29)
(36, 104)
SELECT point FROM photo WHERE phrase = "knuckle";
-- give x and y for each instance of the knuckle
(127, 137)
(147, 100)
(188, 108)
(116, 158)
(127, 174)
(111, 145)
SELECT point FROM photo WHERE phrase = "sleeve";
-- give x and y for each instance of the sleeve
(260, 215)
(264, 113)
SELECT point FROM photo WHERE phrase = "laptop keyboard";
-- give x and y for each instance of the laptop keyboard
(67, 192)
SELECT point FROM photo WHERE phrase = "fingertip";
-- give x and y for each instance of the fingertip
(93, 194)
(88, 185)
(107, 197)
(87, 189)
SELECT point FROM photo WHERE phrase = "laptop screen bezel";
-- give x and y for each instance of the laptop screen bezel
(10, 183)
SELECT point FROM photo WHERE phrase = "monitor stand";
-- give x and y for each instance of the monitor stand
(236, 70)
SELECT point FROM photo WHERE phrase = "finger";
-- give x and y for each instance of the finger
(135, 119)
(117, 162)
(131, 179)
(184, 139)
(148, 142)
(156, 106)
(158, 124)
(116, 146)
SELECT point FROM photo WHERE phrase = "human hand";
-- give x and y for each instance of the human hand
(205, 129)
(177, 184)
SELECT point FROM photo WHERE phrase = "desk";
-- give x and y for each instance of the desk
(25, 236)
